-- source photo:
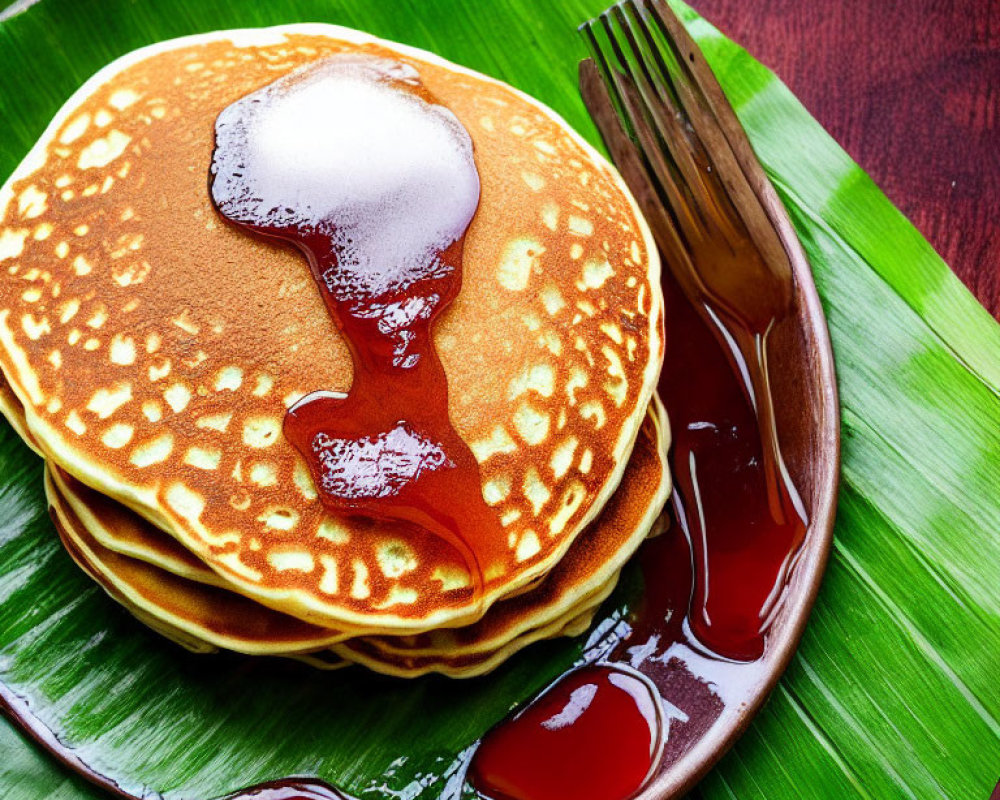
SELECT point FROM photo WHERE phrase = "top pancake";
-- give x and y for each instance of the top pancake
(156, 348)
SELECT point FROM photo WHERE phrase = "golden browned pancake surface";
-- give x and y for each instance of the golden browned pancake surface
(156, 348)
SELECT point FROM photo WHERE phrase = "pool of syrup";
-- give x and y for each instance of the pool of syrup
(712, 586)
(355, 163)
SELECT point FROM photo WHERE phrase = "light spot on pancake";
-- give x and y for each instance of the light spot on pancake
(286, 560)
(195, 360)
(535, 182)
(486, 123)
(101, 152)
(550, 215)
(292, 398)
(499, 441)
(240, 500)
(535, 490)
(54, 406)
(118, 435)
(519, 257)
(532, 321)
(571, 500)
(122, 99)
(12, 243)
(159, 369)
(451, 578)
(359, 586)
(62, 250)
(580, 226)
(185, 323)
(395, 559)
(595, 273)
(562, 456)
(634, 251)
(75, 424)
(531, 424)
(617, 387)
(631, 345)
(158, 112)
(279, 518)
(329, 582)
(153, 342)
(593, 409)
(228, 378)
(586, 461)
(215, 422)
(537, 378)
(550, 341)
(612, 331)
(55, 359)
(510, 517)
(177, 396)
(74, 336)
(577, 380)
(102, 118)
(81, 266)
(131, 274)
(587, 308)
(528, 546)
(261, 432)
(264, 473)
(303, 480)
(75, 129)
(92, 343)
(32, 295)
(399, 596)
(207, 458)
(98, 318)
(496, 490)
(63, 181)
(42, 232)
(68, 195)
(263, 385)
(122, 350)
(31, 203)
(152, 410)
(185, 502)
(255, 544)
(332, 531)
(155, 451)
(105, 402)
(232, 562)
(545, 147)
(552, 299)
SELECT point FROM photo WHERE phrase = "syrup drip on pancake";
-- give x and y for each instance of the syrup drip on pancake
(354, 162)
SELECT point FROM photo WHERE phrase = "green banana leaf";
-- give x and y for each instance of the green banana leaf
(895, 690)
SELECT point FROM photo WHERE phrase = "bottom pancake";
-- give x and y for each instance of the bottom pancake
(200, 616)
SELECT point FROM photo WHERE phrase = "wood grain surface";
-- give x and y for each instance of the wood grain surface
(911, 89)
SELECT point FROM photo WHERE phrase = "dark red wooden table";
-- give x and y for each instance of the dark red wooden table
(911, 89)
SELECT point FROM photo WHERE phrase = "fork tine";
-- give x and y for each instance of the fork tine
(712, 116)
(664, 112)
(660, 168)
(703, 170)
(595, 88)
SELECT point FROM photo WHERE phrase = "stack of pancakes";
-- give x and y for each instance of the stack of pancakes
(150, 352)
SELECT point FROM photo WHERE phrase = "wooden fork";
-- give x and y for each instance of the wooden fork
(682, 151)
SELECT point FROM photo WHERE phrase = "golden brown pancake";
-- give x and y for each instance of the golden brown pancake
(156, 349)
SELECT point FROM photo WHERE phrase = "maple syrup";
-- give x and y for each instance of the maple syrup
(354, 162)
